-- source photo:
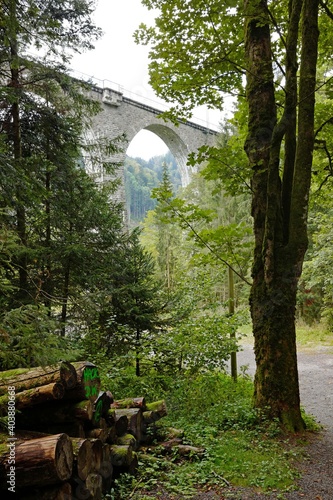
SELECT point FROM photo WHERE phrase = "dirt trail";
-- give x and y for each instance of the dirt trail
(315, 368)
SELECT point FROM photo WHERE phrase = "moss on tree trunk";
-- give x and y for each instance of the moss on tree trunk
(279, 205)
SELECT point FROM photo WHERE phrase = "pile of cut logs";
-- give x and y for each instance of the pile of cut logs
(71, 439)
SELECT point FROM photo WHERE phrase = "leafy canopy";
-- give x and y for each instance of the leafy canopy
(196, 51)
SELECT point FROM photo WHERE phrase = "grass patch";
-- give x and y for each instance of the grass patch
(308, 336)
(241, 448)
(313, 335)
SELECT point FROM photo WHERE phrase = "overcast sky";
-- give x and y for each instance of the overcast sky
(119, 60)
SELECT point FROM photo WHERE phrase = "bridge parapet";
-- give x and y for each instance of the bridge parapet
(123, 115)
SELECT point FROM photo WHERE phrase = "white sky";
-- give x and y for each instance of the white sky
(118, 59)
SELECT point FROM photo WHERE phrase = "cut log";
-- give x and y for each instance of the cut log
(190, 451)
(133, 467)
(83, 410)
(26, 378)
(128, 439)
(135, 423)
(182, 449)
(41, 462)
(155, 431)
(121, 455)
(106, 470)
(112, 436)
(94, 485)
(121, 422)
(171, 432)
(88, 382)
(130, 403)
(101, 434)
(128, 469)
(158, 407)
(101, 406)
(63, 412)
(150, 417)
(83, 457)
(97, 450)
(167, 445)
(36, 396)
(111, 417)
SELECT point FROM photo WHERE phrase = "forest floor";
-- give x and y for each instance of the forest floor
(316, 464)
(315, 365)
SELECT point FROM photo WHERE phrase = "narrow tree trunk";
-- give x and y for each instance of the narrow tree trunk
(137, 353)
(65, 297)
(48, 288)
(233, 355)
(15, 84)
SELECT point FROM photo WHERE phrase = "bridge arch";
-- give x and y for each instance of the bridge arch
(176, 146)
(122, 115)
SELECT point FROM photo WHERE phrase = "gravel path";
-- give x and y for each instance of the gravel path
(316, 388)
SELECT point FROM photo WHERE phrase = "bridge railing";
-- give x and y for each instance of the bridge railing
(141, 101)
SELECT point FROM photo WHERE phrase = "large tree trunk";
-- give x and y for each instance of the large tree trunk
(279, 208)
(15, 131)
(276, 379)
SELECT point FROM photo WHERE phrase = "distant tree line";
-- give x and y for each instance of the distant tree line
(141, 177)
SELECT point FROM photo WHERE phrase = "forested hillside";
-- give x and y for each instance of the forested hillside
(141, 177)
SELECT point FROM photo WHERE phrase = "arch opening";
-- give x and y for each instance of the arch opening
(172, 141)
(143, 171)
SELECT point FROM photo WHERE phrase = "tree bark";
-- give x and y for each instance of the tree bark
(88, 382)
(279, 208)
(36, 396)
(43, 461)
(130, 403)
(51, 414)
(121, 455)
(83, 457)
(135, 421)
(23, 379)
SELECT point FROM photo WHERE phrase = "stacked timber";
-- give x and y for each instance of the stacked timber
(71, 439)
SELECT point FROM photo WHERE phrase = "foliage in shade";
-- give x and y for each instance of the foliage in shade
(57, 226)
(208, 49)
(141, 177)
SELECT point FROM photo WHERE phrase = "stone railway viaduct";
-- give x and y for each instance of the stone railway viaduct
(122, 115)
